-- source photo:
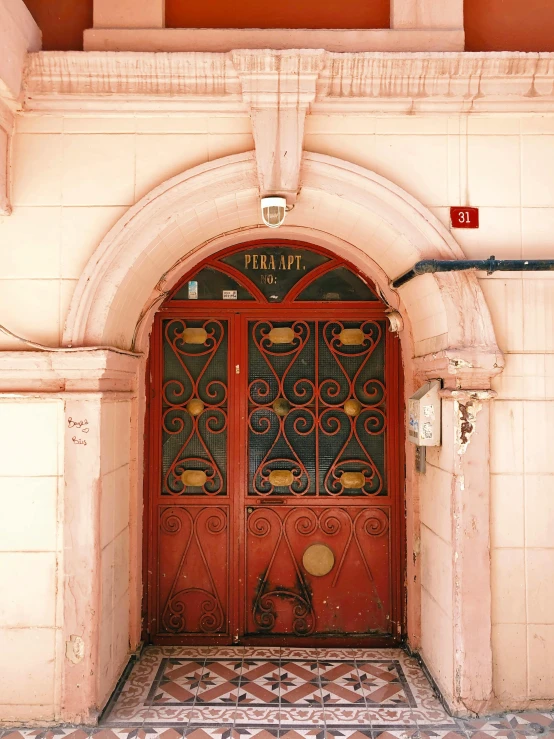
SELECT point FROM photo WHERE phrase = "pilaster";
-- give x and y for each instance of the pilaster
(471, 565)
(18, 35)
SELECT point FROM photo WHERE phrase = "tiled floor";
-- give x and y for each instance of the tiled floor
(278, 693)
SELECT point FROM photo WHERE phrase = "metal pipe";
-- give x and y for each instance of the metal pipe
(490, 265)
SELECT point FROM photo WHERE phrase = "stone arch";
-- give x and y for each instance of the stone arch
(381, 230)
(373, 222)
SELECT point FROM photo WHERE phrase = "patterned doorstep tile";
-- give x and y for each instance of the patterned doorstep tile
(339, 717)
(284, 693)
(264, 693)
(537, 726)
(265, 715)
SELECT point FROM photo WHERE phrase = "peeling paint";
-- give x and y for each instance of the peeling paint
(465, 427)
(75, 649)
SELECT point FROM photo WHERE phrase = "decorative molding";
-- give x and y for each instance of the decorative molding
(449, 82)
(105, 307)
(278, 87)
(462, 370)
(136, 75)
(204, 82)
(84, 371)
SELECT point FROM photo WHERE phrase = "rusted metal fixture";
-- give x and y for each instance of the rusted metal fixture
(490, 265)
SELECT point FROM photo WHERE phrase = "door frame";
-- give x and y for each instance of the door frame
(241, 312)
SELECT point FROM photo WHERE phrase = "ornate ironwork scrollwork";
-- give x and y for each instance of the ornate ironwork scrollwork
(337, 405)
(279, 408)
(195, 388)
(352, 408)
(264, 611)
(348, 525)
(175, 616)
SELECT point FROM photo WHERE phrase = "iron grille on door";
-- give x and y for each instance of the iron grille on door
(274, 495)
(317, 408)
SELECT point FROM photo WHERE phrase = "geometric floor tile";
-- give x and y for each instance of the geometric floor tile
(344, 690)
(284, 693)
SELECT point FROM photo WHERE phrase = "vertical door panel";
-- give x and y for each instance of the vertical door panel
(193, 521)
(318, 570)
(193, 569)
(318, 517)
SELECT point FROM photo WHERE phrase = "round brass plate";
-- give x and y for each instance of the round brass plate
(318, 560)
(281, 406)
(352, 407)
(195, 407)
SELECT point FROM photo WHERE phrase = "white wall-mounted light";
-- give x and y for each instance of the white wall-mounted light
(274, 210)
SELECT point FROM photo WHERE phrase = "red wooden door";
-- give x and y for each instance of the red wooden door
(274, 479)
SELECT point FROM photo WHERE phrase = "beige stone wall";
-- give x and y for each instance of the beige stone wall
(74, 177)
(115, 556)
(31, 556)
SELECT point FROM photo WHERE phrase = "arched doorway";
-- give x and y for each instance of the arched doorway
(274, 490)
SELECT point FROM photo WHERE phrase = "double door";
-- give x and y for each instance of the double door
(274, 478)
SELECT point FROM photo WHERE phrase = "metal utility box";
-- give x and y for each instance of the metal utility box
(424, 415)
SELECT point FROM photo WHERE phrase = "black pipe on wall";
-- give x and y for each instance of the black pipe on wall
(490, 265)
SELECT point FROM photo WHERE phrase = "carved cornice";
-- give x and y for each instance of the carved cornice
(452, 81)
(447, 82)
(278, 78)
(129, 80)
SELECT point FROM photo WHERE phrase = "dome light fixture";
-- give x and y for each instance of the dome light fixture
(274, 210)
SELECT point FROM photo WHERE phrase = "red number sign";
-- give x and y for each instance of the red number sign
(464, 217)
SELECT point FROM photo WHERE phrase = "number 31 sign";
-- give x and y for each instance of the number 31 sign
(464, 217)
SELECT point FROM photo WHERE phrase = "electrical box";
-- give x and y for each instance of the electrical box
(424, 415)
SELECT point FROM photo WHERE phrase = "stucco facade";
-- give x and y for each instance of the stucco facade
(123, 171)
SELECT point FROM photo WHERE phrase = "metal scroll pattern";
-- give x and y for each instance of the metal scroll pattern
(317, 415)
(194, 406)
(352, 397)
(195, 601)
(282, 539)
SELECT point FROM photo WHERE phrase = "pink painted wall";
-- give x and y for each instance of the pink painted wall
(78, 172)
